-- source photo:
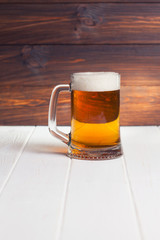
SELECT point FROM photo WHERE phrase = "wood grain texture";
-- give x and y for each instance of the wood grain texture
(51, 65)
(99, 23)
(140, 105)
(29, 106)
(79, 1)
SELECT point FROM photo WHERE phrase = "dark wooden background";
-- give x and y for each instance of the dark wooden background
(43, 42)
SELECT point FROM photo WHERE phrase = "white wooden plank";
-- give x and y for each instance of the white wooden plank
(98, 204)
(12, 143)
(142, 153)
(31, 203)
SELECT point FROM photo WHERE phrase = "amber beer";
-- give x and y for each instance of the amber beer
(95, 110)
(95, 116)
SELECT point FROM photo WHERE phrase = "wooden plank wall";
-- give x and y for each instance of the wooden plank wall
(43, 42)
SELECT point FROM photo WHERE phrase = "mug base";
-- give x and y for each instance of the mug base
(95, 154)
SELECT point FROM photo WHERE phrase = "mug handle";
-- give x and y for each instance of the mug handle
(52, 113)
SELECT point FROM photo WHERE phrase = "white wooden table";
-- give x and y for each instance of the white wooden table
(46, 196)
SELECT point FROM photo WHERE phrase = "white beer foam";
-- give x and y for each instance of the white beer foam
(95, 81)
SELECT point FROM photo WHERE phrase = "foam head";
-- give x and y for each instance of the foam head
(95, 81)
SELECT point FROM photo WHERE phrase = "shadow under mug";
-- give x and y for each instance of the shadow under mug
(95, 110)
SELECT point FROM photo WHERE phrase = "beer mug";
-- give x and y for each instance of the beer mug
(95, 112)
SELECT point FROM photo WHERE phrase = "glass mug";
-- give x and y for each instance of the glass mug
(95, 110)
